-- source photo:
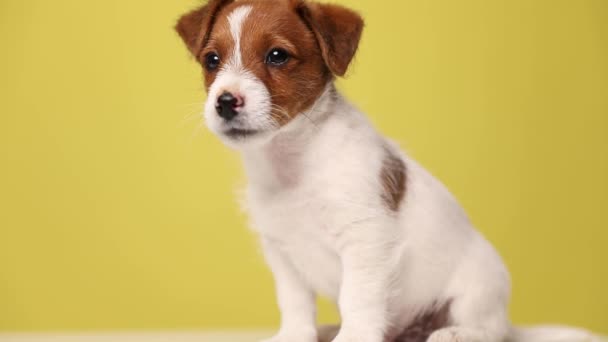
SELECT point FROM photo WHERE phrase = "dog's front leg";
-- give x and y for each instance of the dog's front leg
(295, 298)
(365, 290)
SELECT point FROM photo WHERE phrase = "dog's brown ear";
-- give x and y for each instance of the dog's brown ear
(194, 27)
(337, 29)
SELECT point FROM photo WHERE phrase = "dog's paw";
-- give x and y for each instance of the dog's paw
(460, 334)
(357, 337)
(444, 335)
(290, 338)
(294, 336)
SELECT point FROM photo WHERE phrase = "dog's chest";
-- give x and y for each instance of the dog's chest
(296, 222)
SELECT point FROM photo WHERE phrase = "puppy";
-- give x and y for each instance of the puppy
(339, 209)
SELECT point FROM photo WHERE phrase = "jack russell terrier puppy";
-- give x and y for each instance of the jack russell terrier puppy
(340, 210)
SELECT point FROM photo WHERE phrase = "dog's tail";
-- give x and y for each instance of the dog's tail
(552, 334)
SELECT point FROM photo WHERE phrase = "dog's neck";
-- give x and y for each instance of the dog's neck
(277, 163)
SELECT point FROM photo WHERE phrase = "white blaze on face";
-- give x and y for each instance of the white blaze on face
(234, 78)
(236, 20)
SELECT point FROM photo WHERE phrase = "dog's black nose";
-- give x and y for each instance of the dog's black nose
(226, 106)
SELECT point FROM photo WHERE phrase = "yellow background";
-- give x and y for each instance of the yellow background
(117, 210)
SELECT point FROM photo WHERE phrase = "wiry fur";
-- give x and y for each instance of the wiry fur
(340, 211)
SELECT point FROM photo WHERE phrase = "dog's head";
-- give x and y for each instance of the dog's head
(267, 61)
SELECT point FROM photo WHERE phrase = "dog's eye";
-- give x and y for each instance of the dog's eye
(277, 57)
(212, 61)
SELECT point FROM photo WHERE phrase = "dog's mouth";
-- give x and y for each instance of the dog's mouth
(239, 133)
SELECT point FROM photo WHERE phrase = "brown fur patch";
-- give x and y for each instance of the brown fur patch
(194, 27)
(338, 31)
(296, 85)
(393, 177)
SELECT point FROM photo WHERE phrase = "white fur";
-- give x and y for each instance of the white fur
(236, 20)
(255, 113)
(314, 196)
